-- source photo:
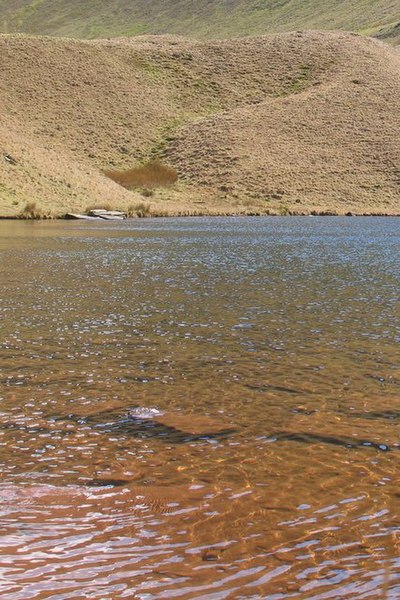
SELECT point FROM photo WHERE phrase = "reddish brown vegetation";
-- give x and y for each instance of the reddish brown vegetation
(152, 174)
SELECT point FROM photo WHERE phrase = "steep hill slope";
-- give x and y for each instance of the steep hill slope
(203, 18)
(289, 122)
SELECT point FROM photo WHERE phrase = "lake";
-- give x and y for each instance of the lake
(200, 408)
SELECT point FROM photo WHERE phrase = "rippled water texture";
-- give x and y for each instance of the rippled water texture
(204, 408)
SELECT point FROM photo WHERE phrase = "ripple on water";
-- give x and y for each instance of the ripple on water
(200, 409)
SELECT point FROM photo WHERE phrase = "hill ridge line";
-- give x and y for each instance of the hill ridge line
(209, 19)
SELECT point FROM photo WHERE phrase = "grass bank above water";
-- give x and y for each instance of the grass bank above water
(293, 123)
(147, 210)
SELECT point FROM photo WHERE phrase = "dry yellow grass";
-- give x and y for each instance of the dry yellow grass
(295, 122)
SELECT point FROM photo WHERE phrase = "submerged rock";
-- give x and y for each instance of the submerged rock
(189, 424)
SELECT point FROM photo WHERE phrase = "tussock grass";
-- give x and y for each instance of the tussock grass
(147, 193)
(152, 174)
(104, 206)
(139, 210)
(32, 211)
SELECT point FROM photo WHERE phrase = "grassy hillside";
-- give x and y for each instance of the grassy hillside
(295, 122)
(203, 18)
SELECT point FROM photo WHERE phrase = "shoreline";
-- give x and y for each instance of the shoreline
(183, 214)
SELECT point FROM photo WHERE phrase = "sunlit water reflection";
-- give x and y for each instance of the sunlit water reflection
(267, 351)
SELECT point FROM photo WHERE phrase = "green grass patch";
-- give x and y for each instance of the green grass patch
(204, 18)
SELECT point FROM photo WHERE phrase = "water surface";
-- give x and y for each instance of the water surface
(269, 348)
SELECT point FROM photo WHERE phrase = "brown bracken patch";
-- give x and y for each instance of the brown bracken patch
(152, 174)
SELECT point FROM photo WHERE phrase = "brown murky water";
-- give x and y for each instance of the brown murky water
(268, 468)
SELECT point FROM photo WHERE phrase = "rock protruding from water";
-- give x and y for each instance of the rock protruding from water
(142, 412)
(99, 214)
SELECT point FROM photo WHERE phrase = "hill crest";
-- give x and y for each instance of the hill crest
(201, 19)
